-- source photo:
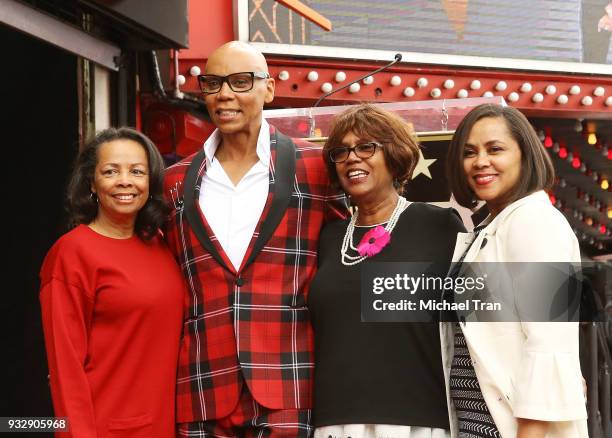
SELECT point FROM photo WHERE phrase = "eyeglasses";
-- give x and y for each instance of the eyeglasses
(341, 154)
(238, 82)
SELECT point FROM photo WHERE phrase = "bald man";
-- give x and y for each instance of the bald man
(248, 210)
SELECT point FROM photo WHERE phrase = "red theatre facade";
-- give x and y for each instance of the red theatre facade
(552, 60)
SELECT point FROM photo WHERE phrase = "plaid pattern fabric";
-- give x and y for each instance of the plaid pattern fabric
(251, 326)
(251, 420)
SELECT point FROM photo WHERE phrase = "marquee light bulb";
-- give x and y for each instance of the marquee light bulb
(548, 141)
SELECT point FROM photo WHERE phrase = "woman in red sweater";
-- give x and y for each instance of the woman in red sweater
(111, 296)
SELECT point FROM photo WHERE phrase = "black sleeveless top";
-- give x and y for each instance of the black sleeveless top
(378, 373)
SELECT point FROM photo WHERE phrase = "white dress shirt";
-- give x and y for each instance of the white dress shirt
(233, 211)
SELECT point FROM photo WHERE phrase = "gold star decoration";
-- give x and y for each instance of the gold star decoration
(422, 166)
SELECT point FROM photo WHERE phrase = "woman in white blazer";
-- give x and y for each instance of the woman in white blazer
(510, 379)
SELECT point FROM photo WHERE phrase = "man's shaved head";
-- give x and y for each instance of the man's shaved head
(236, 49)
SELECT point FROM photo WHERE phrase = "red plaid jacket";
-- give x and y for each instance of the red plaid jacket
(252, 325)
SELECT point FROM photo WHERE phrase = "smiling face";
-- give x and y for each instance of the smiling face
(492, 162)
(238, 113)
(365, 179)
(121, 181)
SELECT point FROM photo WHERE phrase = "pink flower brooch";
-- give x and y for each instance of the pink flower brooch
(373, 241)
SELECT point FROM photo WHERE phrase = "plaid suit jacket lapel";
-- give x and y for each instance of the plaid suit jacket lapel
(284, 175)
(191, 211)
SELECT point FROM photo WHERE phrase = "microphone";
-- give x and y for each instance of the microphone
(397, 58)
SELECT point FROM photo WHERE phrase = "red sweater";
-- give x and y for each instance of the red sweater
(112, 316)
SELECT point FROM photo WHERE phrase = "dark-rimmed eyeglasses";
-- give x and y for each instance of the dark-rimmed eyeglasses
(364, 150)
(238, 82)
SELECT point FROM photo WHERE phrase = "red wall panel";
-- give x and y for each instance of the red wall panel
(210, 25)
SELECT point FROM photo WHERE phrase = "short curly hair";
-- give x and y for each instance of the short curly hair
(83, 207)
(537, 170)
(370, 122)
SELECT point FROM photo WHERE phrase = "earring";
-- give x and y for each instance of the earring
(93, 197)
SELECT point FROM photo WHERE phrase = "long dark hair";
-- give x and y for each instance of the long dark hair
(537, 171)
(83, 207)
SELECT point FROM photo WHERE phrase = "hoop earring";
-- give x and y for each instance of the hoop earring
(93, 197)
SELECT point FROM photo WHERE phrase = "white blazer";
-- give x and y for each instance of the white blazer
(525, 369)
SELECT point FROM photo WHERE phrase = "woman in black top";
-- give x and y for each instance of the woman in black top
(376, 379)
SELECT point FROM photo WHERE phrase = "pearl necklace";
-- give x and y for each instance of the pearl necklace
(347, 242)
